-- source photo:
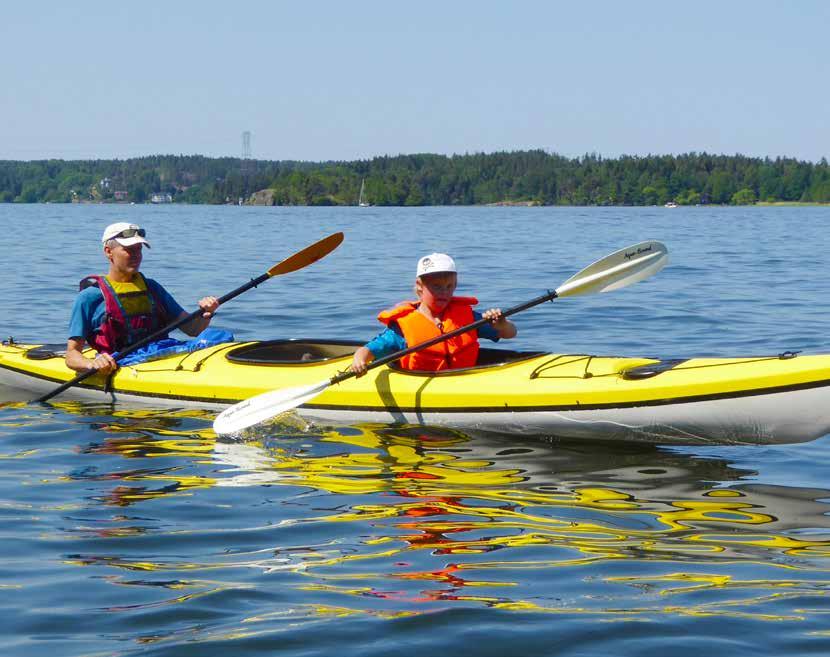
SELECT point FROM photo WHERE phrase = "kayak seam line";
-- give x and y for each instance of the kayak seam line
(134, 393)
(459, 409)
(576, 407)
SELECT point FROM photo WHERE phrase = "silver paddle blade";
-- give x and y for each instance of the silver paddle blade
(263, 407)
(620, 269)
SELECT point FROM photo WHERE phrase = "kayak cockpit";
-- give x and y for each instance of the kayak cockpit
(287, 352)
(302, 352)
(46, 351)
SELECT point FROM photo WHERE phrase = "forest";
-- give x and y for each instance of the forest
(534, 177)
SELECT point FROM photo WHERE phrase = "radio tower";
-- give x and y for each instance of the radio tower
(246, 145)
(245, 163)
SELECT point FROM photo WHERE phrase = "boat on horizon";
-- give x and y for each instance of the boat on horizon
(361, 201)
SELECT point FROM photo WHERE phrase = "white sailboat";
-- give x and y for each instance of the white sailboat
(361, 201)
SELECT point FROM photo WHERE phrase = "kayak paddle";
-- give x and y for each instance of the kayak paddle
(620, 269)
(301, 259)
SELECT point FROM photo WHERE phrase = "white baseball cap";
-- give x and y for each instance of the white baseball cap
(435, 263)
(126, 234)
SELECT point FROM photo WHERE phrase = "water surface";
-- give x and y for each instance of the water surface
(137, 532)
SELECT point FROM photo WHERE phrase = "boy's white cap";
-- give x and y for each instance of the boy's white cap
(434, 263)
(113, 230)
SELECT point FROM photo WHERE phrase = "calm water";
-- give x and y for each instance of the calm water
(135, 532)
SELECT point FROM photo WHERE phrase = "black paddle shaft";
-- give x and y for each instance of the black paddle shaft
(154, 336)
(550, 296)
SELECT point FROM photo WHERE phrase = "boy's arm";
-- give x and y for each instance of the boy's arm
(388, 342)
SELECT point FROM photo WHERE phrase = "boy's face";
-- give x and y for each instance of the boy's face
(436, 290)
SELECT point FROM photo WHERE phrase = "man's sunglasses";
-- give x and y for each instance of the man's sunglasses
(130, 232)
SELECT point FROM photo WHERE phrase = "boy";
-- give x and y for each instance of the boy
(436, 312)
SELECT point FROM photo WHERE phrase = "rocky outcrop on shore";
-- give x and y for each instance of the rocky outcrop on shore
(519, 204)
(262, 197)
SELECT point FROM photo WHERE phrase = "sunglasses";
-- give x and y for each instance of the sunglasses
(130, 232)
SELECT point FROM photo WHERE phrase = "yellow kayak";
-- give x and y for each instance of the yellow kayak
(779, 398)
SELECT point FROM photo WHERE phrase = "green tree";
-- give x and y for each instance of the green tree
(721, 187)
(690, 197)
(650, 195)
(743, 196)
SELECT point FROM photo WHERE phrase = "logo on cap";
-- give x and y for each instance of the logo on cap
(434, 263)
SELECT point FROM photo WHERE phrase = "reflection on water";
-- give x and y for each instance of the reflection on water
(149, 511)
(460, 497)
(411, 515)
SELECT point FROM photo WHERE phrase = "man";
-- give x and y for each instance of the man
(119, 309)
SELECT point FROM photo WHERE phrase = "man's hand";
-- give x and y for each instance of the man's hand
(75, 359)
(104, 363)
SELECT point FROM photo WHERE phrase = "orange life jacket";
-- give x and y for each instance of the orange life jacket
(460, 351)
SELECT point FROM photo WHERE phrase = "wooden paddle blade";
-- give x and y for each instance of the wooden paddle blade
(265, 406)
(308, 255)
(620, 269)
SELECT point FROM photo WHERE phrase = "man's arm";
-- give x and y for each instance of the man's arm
(199, 324)
(87, 303)
(174, 310)
(75, 359)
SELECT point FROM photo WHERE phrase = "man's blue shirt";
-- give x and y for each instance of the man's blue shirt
(89, 308)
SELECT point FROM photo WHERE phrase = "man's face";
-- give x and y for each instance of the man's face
(126, 259)
(436, 290)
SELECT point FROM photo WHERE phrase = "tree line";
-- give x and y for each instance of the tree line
(531, 177)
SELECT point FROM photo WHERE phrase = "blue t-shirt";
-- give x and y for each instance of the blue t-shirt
(392, 340)
(88, 311)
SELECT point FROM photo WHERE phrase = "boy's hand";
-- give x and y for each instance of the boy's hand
(504, 326)
(361, 360)
(494, 316)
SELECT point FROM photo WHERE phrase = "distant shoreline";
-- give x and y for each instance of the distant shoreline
(792, 203)
(512, 179)
(502, 204)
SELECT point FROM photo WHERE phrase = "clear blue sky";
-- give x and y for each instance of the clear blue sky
(351, 80)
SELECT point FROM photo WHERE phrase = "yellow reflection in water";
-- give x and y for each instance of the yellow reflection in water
(451, 504)
(449, 498)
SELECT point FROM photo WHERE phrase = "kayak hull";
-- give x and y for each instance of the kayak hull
(747, 421)
(763, 400)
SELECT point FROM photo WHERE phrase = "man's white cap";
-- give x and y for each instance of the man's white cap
(434, 263)
(113, 232)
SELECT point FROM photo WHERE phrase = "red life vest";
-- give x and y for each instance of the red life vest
(460, 351)
(118, 329)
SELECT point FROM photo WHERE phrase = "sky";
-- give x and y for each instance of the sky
(333, 80)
